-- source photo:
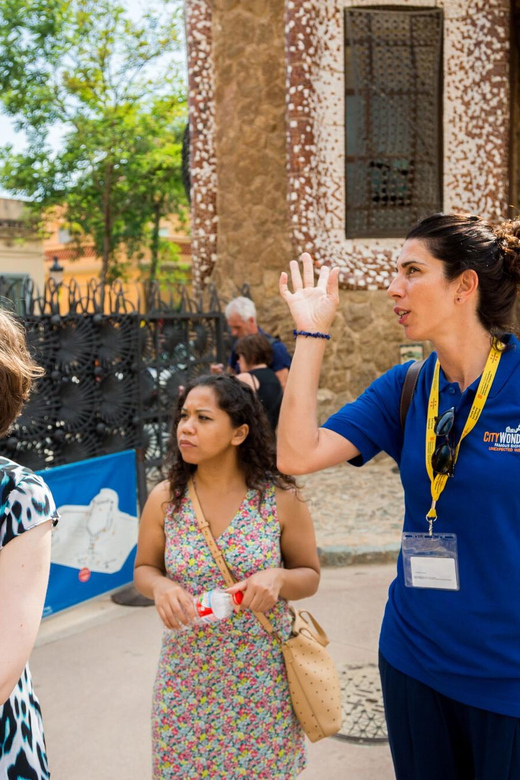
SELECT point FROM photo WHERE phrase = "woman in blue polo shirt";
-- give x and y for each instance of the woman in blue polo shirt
(450, 640)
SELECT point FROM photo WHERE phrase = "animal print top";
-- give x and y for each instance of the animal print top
(25, 502)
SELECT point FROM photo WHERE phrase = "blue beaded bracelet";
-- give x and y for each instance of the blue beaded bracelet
(315, 335)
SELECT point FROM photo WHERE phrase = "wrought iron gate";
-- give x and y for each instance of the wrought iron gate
(112, 372)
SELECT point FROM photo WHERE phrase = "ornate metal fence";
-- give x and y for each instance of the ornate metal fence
(113, 370)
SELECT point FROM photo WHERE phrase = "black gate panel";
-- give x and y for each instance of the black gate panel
(113, 371)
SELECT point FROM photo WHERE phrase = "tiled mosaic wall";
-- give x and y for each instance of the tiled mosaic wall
(199, 17)
(476, 117)
(267, 119)
(476, 125)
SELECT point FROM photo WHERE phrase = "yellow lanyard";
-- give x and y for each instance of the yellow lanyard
(438, 481)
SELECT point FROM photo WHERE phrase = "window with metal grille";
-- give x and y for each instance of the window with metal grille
(393, 67)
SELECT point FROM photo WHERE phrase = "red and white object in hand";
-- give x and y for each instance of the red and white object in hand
(215, 605)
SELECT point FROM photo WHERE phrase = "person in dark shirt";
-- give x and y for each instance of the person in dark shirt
(241, 319)
(254, 356)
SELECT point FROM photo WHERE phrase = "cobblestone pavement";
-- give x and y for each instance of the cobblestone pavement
(363, 709)
(357, 512)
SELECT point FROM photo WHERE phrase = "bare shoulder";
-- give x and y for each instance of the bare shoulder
(290, 503)
(158, 498)
(248, 379)
(288, 496)
(162, 491)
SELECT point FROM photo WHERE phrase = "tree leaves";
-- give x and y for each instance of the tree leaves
(110, 86)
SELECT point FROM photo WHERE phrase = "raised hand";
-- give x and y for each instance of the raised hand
(312, 307)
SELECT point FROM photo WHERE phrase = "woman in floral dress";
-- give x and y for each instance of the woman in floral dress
(221, 700)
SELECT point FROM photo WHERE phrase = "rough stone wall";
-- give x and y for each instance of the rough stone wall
(279, 79)
(515, 105)
(254, 232)
(253, 229)
(365, 343)
(476, 121)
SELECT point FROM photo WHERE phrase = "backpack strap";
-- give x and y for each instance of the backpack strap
(410, 381)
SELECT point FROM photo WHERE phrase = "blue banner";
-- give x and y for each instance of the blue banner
(94, 543)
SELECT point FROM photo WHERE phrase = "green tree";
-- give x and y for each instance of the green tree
(110, 87)
(157, 175)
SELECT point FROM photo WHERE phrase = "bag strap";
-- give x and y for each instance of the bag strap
(217, 554)
(410, 382)
(302, 625)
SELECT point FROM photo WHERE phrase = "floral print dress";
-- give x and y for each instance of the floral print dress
(221, 700)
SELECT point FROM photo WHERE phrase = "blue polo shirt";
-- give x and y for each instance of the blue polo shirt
(281, 358)
(466, 643)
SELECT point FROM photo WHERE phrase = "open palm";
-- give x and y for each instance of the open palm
(312, 307)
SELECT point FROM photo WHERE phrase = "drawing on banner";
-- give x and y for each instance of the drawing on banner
(98, 537)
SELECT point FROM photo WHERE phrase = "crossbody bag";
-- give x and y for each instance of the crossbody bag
(313, 680)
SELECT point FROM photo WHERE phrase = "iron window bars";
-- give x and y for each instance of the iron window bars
(393, 69)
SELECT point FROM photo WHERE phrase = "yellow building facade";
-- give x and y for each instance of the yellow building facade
(25, 256)
(21, 250)
(82, 267)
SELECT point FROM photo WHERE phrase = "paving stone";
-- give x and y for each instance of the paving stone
(357, 512)
(362, 699)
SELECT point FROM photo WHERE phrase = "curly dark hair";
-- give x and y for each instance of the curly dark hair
(256, 454)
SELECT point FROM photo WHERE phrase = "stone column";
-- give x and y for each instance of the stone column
(253, 223)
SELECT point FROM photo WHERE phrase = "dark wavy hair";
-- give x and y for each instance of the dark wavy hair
(466, 241)
(256, 454)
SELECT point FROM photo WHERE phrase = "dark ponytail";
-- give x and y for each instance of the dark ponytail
(508, 234)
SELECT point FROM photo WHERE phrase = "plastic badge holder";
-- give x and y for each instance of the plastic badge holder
(430, 561)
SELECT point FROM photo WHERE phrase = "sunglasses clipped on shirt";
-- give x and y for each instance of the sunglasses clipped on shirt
(443, 458)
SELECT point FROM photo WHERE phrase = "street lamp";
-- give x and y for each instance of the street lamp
(56, 272)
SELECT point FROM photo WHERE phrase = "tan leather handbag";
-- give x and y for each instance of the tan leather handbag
(313, 680)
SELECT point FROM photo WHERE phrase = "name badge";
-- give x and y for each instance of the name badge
(430, 561)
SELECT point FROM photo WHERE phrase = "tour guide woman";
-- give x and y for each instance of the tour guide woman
(450, 640)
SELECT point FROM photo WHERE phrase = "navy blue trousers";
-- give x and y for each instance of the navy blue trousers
(433, 737)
